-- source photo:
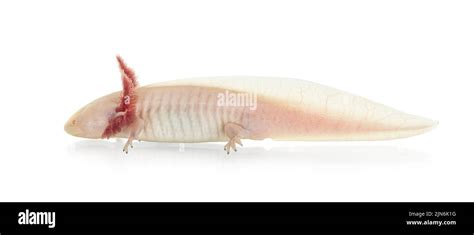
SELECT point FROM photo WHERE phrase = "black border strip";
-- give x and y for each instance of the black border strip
(240, 218)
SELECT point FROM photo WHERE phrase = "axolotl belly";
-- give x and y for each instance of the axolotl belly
(234, 108)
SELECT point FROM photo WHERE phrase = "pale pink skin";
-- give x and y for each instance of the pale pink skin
(190, 113)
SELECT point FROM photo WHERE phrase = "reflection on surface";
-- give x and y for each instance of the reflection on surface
(318, 153)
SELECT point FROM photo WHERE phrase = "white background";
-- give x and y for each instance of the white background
(416, 56)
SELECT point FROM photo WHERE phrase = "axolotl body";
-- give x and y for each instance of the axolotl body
(234, 108)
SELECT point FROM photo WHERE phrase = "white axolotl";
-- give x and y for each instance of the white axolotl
(238, 107)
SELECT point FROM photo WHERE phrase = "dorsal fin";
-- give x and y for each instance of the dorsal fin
(125, 111)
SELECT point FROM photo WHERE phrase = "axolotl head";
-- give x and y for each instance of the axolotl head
(91, 120)
(109, 115)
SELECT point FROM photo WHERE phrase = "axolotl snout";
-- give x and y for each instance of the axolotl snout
(91, 120)
(234, 108)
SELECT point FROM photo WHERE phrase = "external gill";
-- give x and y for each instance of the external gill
(125, 113)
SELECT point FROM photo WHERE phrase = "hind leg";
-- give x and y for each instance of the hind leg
(235, 133)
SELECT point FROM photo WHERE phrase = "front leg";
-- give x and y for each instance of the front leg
(134, 130)
(235, 132)
(128, 144)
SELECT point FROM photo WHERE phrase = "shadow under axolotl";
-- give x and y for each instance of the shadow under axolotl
(320, 153)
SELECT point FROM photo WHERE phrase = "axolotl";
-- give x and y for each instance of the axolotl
(229, 109)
